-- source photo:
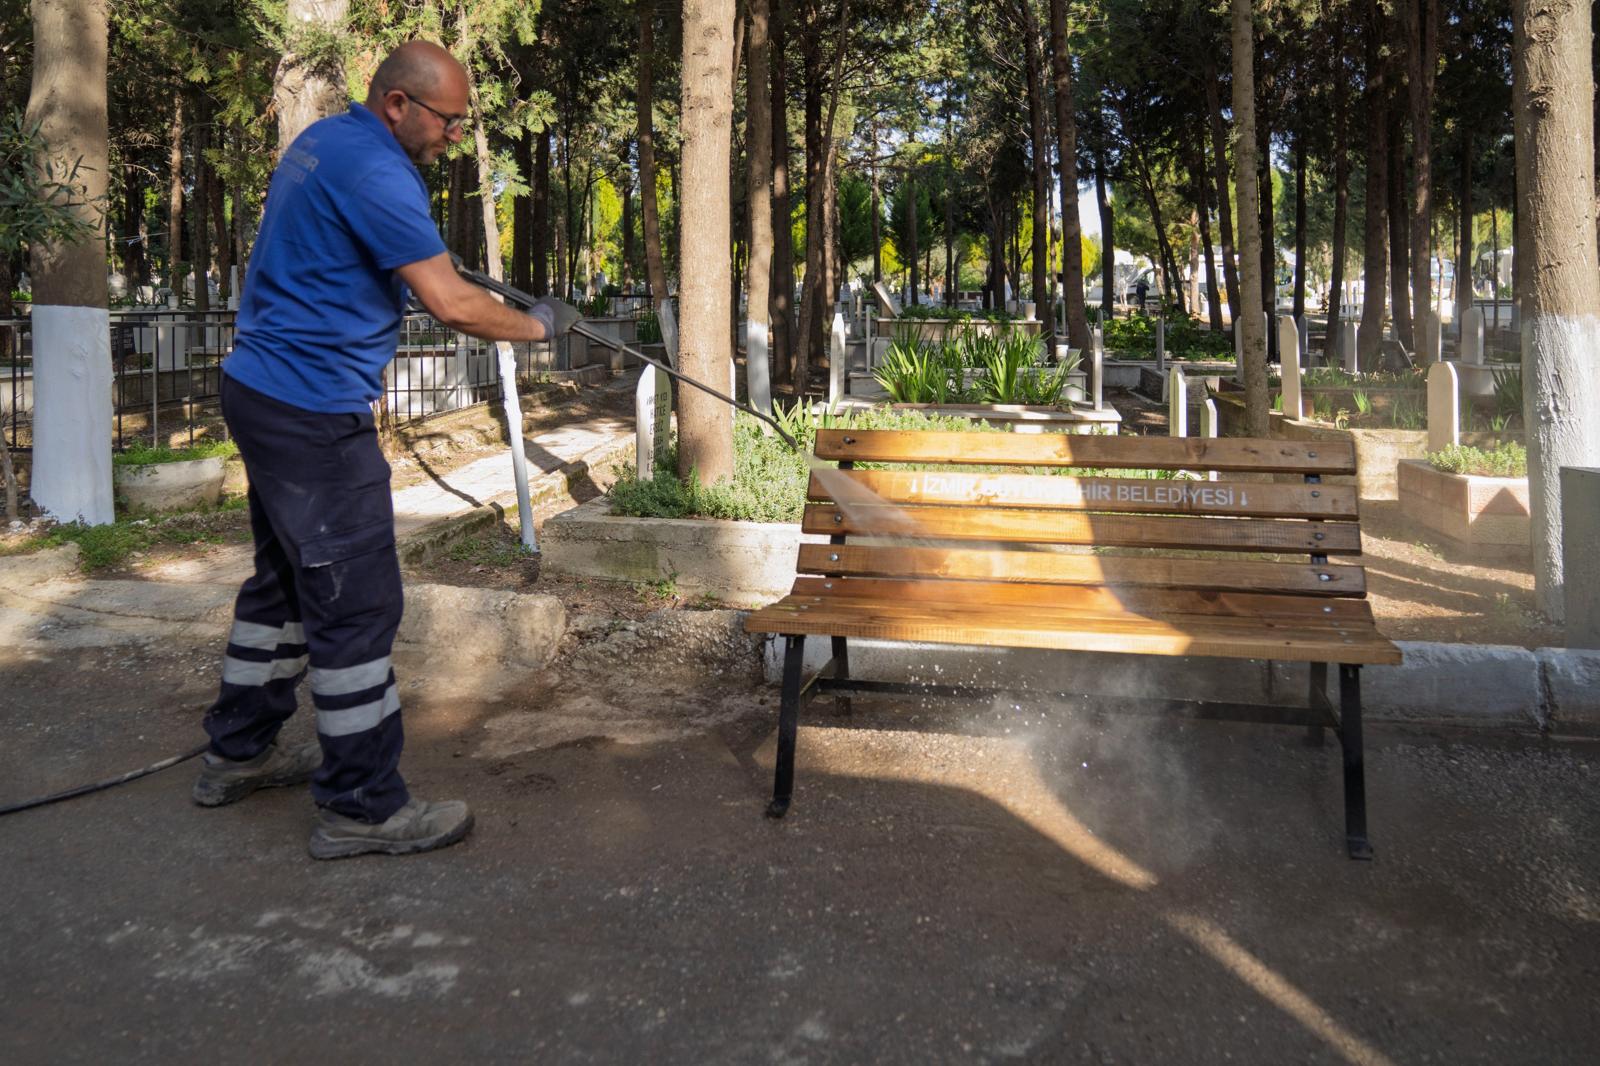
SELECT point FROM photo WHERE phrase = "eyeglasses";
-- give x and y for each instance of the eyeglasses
(452, 123)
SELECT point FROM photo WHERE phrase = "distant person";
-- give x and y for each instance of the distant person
(1141, 290)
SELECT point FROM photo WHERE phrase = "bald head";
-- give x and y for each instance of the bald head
(420, 93)
(417, 68)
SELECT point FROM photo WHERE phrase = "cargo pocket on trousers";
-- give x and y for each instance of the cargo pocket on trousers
(326, 549)
(354, 575)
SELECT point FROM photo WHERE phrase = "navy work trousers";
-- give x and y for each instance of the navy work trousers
(325, 596)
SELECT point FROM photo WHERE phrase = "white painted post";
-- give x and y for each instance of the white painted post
(1289, 361)
(1444, 407)
(1348, 346)
(1177, 403)
(652, 419)
(1097, 368)
(757, 367)
(1472, 337)
(836, 360)
(519, 460)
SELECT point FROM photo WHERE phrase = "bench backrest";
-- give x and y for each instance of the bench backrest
(965, 521)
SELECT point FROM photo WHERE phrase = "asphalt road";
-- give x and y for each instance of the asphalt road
(952, 885)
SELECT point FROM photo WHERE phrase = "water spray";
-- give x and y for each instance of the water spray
(521, 298)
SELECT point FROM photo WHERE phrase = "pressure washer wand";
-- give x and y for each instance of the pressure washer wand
(520, 297)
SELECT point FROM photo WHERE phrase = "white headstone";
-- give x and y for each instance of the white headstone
(1177, 403)
(757, 366)
(1289, 356)
(1444, 407)
(836, 360)
(1349, 346)
(652, 413)
(1209, 425)
(669, 332)
(1097, 367)
(1472, 337)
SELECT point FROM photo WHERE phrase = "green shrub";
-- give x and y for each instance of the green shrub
(649, 328)
(1508, 459)
(769, 480)
(941, 313)
(142, 454)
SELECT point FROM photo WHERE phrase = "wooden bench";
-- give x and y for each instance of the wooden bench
(971, 557)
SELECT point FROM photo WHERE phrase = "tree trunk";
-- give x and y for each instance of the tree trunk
(1423, 49)
(494, 263)
(1375, 225)
(1067, 156)
(782, 301)
(541, 213)
(705, 424)
(1252, 342)
(219, 229)
(910, 250)
(200, 207)
(309, 82)
(809, 334)
(1554, 126)
(1108, 245)
(1219, 153)
(1038, 137)
(135, 263)
(71, 326)
(1341, 191)
(1203, 209)
(176, 269)
(877, 233)
(758, 145)
(1269, 239)
(1399, 233)
(1299, 226)
(655, 269)
(522, 217)
(1463, 284)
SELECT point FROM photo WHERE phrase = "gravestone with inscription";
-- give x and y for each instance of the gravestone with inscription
(1444, 407)
(652, 413)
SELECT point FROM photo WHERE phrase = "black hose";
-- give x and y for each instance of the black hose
(110, 782)
(518, 296)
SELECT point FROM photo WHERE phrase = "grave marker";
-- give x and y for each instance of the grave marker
(1472, 337)
(1348, 347)
(836, 360)
(1289, 355)
(757, 367)
(1209, 425)
(652, 414)
(886, 301)
(1444, 407)
(1097, 366)
(669, 332)
(1177, 403)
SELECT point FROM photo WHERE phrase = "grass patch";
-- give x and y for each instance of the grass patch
(142, 454)
(498, 552)
(1507, 459)
(108, 546)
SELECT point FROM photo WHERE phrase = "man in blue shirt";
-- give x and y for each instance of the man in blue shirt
(345, 238)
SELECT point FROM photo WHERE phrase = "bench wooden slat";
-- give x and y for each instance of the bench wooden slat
(1234, 575)
(1107, 494)
(1066, 449)
(1070, 527)
(1083, 601)
(980, 624)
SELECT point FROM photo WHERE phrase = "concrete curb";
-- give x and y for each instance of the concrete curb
(423, 544)
(1551, 690)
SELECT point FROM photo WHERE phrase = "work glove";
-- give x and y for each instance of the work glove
(556, 315)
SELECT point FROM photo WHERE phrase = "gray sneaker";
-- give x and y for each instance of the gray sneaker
(418, 826)
(225, 781)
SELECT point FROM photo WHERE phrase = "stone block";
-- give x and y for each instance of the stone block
(483, 624)
(1572, 682)
(1456, 684)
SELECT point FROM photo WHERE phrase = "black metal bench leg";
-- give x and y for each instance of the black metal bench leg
(1355, 788)
(788, 727)
(1317, 699)
(841, 671)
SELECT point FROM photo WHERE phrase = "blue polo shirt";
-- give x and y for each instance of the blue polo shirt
(321, 309)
